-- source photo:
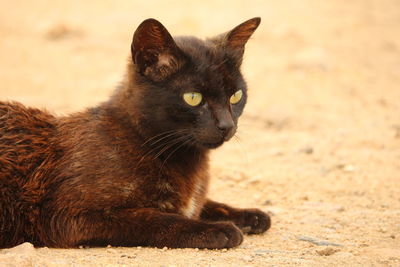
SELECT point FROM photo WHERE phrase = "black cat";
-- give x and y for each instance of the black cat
(134, 170)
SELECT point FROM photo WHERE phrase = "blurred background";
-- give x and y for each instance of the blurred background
(319, 143)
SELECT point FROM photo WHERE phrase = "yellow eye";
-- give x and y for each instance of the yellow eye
(235, 98)
(193, 98)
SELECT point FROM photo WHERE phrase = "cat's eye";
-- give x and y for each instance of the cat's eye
(235, 98)
(193, 98)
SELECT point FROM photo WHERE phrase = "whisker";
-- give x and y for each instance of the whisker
(173, 151)
(161, 134)
(169, 135)
(169, 145)
(246, 156)
(162, 145)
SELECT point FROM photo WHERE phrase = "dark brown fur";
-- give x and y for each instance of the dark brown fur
(96, 177)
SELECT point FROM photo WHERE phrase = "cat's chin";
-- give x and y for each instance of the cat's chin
(211, 145)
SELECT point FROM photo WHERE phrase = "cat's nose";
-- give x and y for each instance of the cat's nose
(226, 127)
(224, 122)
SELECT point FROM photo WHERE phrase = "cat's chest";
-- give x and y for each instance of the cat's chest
(186, 199)
(178, 187)
(182, 195)
(192, 206)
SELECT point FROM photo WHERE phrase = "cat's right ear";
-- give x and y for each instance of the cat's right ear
(236, 39)
(154, 51)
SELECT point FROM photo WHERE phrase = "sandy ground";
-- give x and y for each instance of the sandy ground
(319, 143)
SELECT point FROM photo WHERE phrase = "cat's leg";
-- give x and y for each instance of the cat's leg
(251, 221)
(144, 227)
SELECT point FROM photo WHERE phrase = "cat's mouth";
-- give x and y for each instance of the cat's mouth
(217, 141)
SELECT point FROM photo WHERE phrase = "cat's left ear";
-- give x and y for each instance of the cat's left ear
(236, 39)
(154, 51)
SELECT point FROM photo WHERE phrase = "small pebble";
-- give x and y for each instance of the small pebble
(349, 168)
(307, 150)
(382, 230)
(248, 258)
(24, 248)
(341, 209)
(346, 167)
(130, 257)
(267, 202)
(254, 180)
(111, 250)
(327, 251)
(164, 248)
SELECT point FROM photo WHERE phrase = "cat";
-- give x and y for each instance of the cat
(132, 171)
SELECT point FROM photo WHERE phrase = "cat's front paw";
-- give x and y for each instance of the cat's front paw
(252, 221)
(222, 235)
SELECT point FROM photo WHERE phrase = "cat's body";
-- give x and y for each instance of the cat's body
(134, 170)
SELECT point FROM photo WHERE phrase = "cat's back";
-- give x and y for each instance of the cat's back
(14, 113)
(25, 135)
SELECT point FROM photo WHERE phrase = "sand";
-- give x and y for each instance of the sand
(318, 145)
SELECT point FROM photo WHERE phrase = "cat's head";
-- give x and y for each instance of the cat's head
(190, 89)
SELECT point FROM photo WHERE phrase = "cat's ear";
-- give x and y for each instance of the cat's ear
(154, 51)
(236, 39)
